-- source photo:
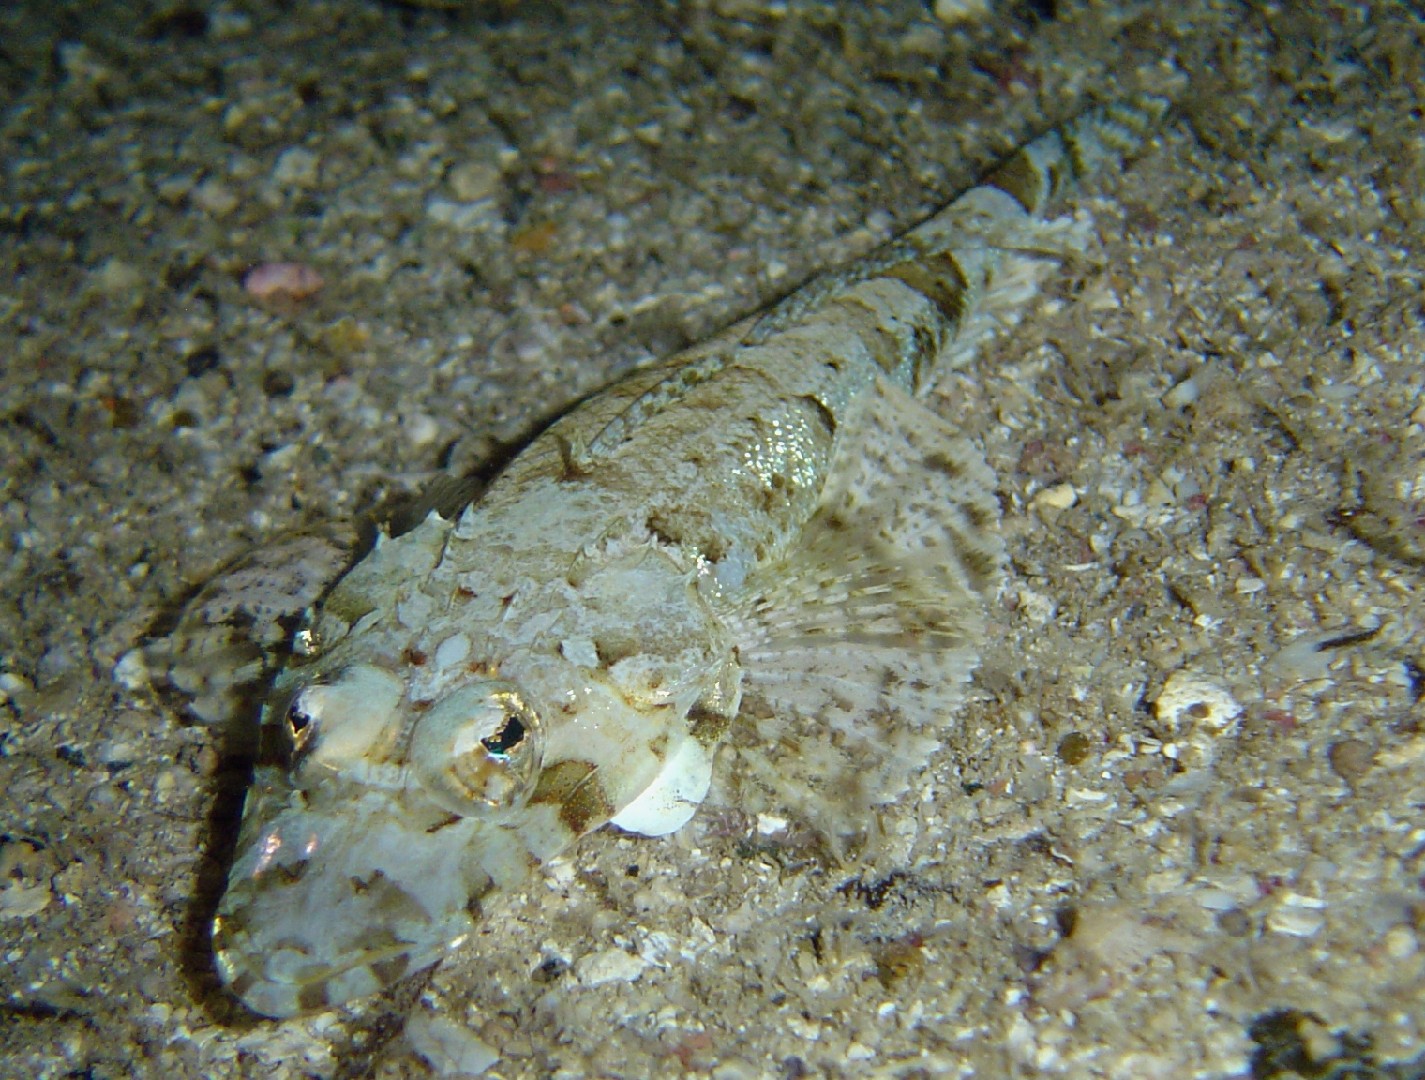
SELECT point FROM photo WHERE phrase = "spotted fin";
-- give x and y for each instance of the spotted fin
(237, 630)
(857, 649)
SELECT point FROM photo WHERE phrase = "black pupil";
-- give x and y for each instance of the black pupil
(298, 718)
(506, 739)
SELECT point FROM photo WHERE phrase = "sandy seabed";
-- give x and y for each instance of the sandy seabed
(1178, 830)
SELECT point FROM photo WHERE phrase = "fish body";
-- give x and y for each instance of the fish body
(766, 529)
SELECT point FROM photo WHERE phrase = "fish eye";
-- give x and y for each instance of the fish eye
(289, 726)
(336, 720)
(301, 723)
(477, 751)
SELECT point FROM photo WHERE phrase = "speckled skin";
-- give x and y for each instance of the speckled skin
(478, 693)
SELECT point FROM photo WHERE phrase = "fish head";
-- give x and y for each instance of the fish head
(372, 833)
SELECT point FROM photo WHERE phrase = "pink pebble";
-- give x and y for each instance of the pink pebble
(282, 281)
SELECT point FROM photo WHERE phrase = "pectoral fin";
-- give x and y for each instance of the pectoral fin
(235, 631)
(858, 647)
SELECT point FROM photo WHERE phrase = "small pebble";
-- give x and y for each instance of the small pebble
(1351, 759)
(1234, 922)
(1058, 497)
(116, 277)
(954, 12)
(54, 662)
(1401, 942)
(282, 281)
(1074, 748)
(214, 197)
(448, 1047)
(609, 966)
(421, 428)
(298, 167)
(472, 181)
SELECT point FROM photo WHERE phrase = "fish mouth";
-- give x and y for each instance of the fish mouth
(322, 909)
(282, 980)
(326, 906)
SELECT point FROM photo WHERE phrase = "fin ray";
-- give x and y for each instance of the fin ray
(856, 648)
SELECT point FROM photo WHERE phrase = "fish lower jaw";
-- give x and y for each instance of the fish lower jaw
(284, 983)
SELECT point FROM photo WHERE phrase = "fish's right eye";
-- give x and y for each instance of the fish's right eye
(300, 722)
(290, 726)
(347, 718)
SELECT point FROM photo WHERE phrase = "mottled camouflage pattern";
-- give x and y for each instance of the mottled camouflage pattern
(767, 529)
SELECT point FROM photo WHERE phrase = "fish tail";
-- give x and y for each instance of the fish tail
(981, 259)
(1042, 172)
(973, 267)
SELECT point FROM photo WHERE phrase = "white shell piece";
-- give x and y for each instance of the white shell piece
(580, 651)
(609, 966)
(1190, 701)
(1297, 916)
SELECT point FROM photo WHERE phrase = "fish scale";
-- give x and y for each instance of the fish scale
(768, 530)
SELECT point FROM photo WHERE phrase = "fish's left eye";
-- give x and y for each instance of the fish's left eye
(477, 751)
